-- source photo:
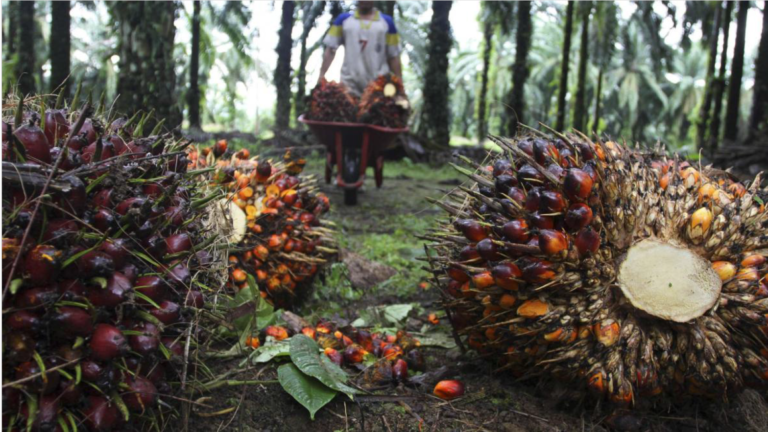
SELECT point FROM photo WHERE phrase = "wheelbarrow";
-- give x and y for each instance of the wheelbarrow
(353, 147)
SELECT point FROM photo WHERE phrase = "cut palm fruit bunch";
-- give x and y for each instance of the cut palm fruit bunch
(279, 237)
(384, 103)
(625, 272)
(383, 358)
(331, 101)
(104, 254)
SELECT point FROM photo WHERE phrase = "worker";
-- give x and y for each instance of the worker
(371, 47)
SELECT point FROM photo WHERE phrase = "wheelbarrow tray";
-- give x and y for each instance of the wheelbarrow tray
(370, 140)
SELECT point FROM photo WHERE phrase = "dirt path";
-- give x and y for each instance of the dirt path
(383, 228)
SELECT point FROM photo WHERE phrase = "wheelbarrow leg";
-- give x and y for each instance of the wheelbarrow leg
(328, 167)
(378, 171)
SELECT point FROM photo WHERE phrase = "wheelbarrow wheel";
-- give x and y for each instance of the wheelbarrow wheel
(350, 196)
(350, 172)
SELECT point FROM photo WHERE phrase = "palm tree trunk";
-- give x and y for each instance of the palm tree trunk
(389, 8)
(579, 106)
(737, 70)
(193, 96)
(714, 126)
(598, 94)
(282, 76)
(147, 77)
(60, 45)
(759, 117)
(703, 120)
(336, 10)
(311, 12)
(436, 86)
(301, 91)
(520, 67)
(482, 125)
(25, 68)
(13, 19)
(564, 68)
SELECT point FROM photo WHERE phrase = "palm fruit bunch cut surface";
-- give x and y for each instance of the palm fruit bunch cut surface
(626, 273)
(383, 358)
(104, 256)
(331, 102)
(276, 213)
(384, 103)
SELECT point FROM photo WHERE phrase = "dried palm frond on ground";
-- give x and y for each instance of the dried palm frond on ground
(331, 101)
(384, 103)
(106, 267)
(627, 273)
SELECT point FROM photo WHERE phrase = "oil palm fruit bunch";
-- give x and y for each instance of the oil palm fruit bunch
(331, 101)
(625, 272)
(102, 260)
(384, 103)
(279, 237)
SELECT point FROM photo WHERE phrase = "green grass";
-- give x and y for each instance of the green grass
(417, 171)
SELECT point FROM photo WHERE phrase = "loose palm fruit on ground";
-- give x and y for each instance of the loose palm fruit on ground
(94, 279)
(449, 389)
(628, 273)
(394, 354)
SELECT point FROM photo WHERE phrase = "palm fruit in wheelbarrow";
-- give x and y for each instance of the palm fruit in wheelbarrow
(103, 258)
(627, 273)
(331, 102)
(384, 103)
(278, 236)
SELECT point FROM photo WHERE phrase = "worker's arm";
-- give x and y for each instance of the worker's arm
(394, 66)
(328, 56)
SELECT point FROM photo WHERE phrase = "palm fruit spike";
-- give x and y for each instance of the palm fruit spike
(647, 279)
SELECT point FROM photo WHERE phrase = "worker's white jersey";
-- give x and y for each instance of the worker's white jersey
(367, 46)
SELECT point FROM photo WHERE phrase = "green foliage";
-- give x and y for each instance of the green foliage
(308, 391)
(389, 316)
(259, 314)
(305, 354)
(334, 292)
(642, 65)
(311, 378)
(269, 351)
(9, 80)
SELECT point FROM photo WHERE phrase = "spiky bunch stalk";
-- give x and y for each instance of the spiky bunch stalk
(630, 273)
